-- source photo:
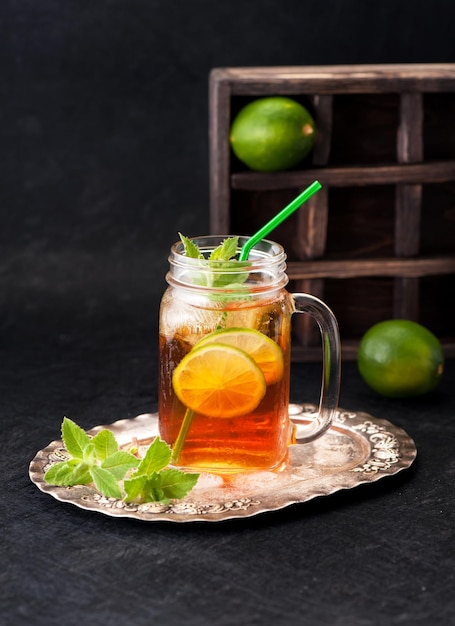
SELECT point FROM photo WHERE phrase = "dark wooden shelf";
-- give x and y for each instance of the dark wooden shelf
(334, 79)
(403, 267)
(385, 156)
(349, 176)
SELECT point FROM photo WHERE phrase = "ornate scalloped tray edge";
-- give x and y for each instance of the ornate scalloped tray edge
(357, 449)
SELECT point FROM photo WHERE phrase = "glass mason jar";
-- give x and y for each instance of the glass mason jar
(225, 352)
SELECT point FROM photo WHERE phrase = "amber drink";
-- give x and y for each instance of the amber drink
(225, 346)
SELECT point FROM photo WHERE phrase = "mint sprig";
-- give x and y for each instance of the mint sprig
(98, 460)
(152, 482)
(191, 249)
(222, 262)
(226, 251)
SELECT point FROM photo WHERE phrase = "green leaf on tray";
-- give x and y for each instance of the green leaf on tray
(105, 482)
(134, 487)
(74, 438)
(68, 473)
(98, 461)
(119, 463)
(170, 484)
(156, 458)
(175, 484)
(105, 444)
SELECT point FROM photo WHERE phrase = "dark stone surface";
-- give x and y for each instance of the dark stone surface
(379, 554)
(103, 158)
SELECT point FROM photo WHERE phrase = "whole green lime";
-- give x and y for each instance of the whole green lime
(400, 358)
(272, 134)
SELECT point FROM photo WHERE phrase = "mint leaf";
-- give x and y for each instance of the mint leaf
(158, 455)
(98, 460)
(68, 473)
(105, 482)
(224, 267)
(74, 438)
(153, 493)
(160, 487)
(142, 489)
(226, 250)
(88, 455)
(105, 444)
(174, 484)
(119, 463)
(191, 249)
(134, 487)
(232, 279)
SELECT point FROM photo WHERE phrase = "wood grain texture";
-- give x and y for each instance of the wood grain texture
(349, 176)
(323, 109)
(338, 79)
(219, 154)
(408, 203)
(312, 220)
(406, 267)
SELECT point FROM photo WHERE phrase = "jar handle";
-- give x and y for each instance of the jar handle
(331, 364)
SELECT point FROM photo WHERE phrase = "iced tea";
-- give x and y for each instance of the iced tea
(225, 329)
(256, 440)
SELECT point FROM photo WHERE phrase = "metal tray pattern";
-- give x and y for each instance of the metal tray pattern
(357, 449)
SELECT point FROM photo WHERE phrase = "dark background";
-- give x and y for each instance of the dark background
(103, 128)
(103, 158)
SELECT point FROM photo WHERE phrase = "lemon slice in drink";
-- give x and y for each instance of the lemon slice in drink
(219, 380)
(265, 352)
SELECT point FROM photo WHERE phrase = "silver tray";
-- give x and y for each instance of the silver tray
(357, 449)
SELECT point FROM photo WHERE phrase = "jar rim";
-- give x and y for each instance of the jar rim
(264, 269)
(263, 254)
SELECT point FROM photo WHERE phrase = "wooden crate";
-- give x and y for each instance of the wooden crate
(378, 241)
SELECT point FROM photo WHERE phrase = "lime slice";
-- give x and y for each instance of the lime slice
(265, 352)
